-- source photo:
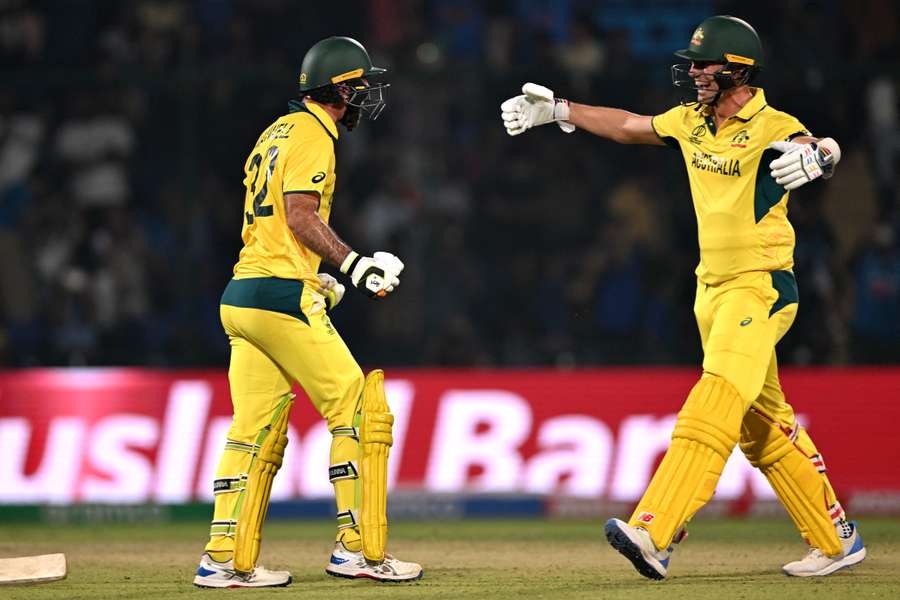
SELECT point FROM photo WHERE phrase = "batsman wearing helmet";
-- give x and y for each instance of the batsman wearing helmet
(275, 312)
(743, 157)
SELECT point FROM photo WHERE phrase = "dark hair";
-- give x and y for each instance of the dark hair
(327, 94)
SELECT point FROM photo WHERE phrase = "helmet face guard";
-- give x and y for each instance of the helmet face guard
(361, 100)
(359, 97)
(368, 100)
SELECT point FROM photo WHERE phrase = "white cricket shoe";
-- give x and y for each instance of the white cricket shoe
(634, 543)
(345, 563)
(212, 574)
(817, 564)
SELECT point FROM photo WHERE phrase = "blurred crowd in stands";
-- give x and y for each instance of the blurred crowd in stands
(124, 127)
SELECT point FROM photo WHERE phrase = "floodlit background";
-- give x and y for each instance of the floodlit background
(553, 272)
(124, 127)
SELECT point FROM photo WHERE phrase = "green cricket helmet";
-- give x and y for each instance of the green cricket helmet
(721, 39)
(337, 70)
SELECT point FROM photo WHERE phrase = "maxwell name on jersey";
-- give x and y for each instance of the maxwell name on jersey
(716, 164)
(276, 131)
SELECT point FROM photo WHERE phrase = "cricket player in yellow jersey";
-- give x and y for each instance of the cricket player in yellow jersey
(742, 158)
(275, 312)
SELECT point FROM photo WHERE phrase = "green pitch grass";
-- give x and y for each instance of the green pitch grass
(470, 559)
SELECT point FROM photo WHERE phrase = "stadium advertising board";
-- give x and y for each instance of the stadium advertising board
(135, 436)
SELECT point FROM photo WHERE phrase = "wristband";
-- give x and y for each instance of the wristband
(560, 109)
(350, 262)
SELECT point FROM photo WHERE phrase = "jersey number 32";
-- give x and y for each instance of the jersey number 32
(259, 197)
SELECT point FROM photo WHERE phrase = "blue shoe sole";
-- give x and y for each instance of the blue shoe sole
(620, 541)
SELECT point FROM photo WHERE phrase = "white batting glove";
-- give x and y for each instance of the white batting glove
(375, 276)
(536, 106)
(331, 290)
(801, 163)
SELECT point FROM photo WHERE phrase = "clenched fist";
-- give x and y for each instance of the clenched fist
(375, 276)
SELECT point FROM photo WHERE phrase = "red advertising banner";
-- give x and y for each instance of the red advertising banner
(134, 435)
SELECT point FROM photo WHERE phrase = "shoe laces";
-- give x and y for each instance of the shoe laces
(844, 530)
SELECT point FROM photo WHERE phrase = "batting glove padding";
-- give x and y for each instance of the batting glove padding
(375, 276)
(801, 163)
(330, 289)
(536, 106)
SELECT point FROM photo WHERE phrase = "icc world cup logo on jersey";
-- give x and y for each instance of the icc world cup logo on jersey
(698, 132)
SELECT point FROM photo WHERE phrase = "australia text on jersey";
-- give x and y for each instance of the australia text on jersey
(716, 164)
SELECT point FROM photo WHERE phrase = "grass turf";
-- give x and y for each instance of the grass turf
(482, 559)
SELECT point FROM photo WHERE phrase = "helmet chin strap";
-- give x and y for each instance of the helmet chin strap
(727, 81)
(724, 83)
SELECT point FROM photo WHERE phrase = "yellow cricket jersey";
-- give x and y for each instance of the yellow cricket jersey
(294, 154)
(741, 212)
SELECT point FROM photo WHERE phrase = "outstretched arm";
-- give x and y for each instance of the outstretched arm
(614, 124)
(537, 106)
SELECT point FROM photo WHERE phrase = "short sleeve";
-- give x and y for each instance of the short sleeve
(669, 126)
(308, 164)
(786, 127)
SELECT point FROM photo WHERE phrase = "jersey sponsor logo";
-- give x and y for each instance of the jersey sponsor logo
(318, 177)
(746, 321)
(698, 132)
(740, 139)
(716, 164)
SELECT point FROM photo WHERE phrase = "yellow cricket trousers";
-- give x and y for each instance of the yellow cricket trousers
(280, 333)
(740, 323)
